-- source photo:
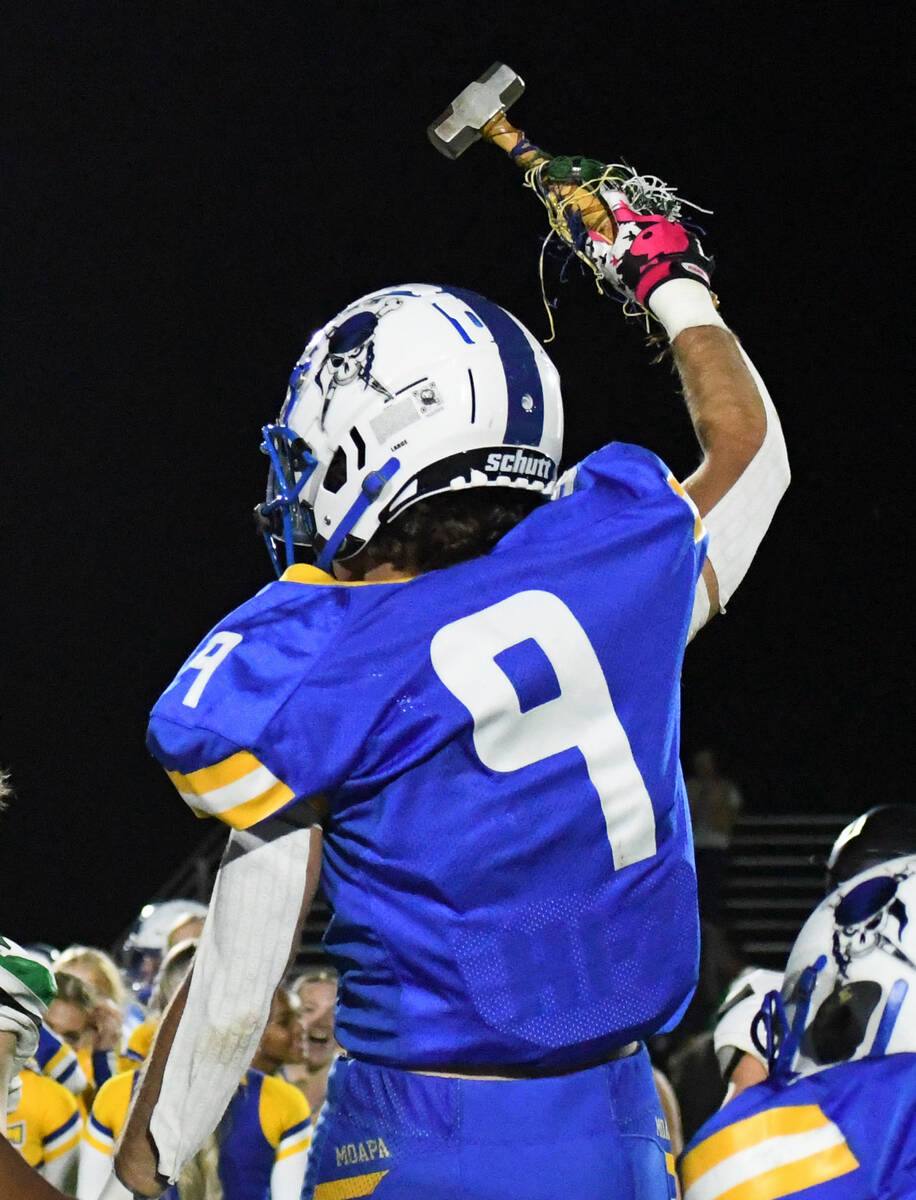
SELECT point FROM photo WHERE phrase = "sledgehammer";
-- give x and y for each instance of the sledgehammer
(479, 112)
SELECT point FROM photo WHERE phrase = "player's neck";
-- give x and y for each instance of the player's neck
(379, 573)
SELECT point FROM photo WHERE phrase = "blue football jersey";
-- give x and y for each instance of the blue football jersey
(507, 851)
(845, 1133)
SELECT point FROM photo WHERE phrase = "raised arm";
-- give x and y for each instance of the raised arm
(659, 264)
(745, 469)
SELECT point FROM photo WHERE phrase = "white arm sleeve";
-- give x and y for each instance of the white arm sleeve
(700, 614)
(114, 1190)
(243, 952)
(61, 1171)
(95, 1169)
(288, 1175)
(737, 523)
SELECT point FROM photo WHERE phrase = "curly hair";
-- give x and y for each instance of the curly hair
(447, 528)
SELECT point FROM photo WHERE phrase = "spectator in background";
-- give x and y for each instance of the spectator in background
(187, 927)
(714, 806)
(73, 1016)
(96, 969)
(282, 1043)
(172, 970)
(149, 940)
(106, 1021)
(68, 1012)
(317, 992)
(259, 1149)
(45, 1127)
(158, 926)
(59, 1062)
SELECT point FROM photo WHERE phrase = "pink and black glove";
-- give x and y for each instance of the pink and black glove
(648, 256)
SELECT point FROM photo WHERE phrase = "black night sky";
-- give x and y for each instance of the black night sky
(193, 188)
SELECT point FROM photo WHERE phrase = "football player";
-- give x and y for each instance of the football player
(259, 1151)
(468, 694)
(881, 833)
(836, 1119)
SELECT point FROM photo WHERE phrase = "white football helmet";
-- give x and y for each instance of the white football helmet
(850, 984)
(148, 938)
(409, 391)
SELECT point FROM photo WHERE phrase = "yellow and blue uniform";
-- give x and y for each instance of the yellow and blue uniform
(138, 1045)
(263, 1139)
(847, 1132)
(507, 851)
(45, 1126)
(59, 1062)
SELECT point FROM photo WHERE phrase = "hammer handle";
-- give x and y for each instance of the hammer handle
(500, 131)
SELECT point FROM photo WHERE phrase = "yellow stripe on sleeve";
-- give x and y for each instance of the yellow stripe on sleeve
(65, 1146)
(239, 790)
(243, 816)
(349, 1189)
(208, 779)
(105, 1148)
(55, 1060)
(699, 529)
(303, 1144)
(795, 1176)
(772, 1122)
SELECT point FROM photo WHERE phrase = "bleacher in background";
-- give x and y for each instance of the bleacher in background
(193, 880)
(776, 878)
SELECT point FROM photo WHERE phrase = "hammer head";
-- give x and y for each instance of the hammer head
(460, 125)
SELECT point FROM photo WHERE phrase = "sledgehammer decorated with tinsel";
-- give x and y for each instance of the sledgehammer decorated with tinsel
(563, 182)
(578, 193)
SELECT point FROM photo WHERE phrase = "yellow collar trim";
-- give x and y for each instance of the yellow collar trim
(304, 573)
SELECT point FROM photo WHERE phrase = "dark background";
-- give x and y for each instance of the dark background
(195, 188)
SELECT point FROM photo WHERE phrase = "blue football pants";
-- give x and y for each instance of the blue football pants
(598, 1134)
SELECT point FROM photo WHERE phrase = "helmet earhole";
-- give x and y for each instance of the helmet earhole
(336, 474)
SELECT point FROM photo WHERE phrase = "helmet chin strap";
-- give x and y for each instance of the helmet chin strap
(889, 1018)
(370, 489)
(782, 1039)
(786, 1052)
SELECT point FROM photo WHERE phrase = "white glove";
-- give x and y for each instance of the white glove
(736, 1015)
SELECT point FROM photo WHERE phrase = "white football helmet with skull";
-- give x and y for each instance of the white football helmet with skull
(850, 984)
(408, 392)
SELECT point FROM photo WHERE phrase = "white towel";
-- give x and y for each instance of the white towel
(244, 950)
